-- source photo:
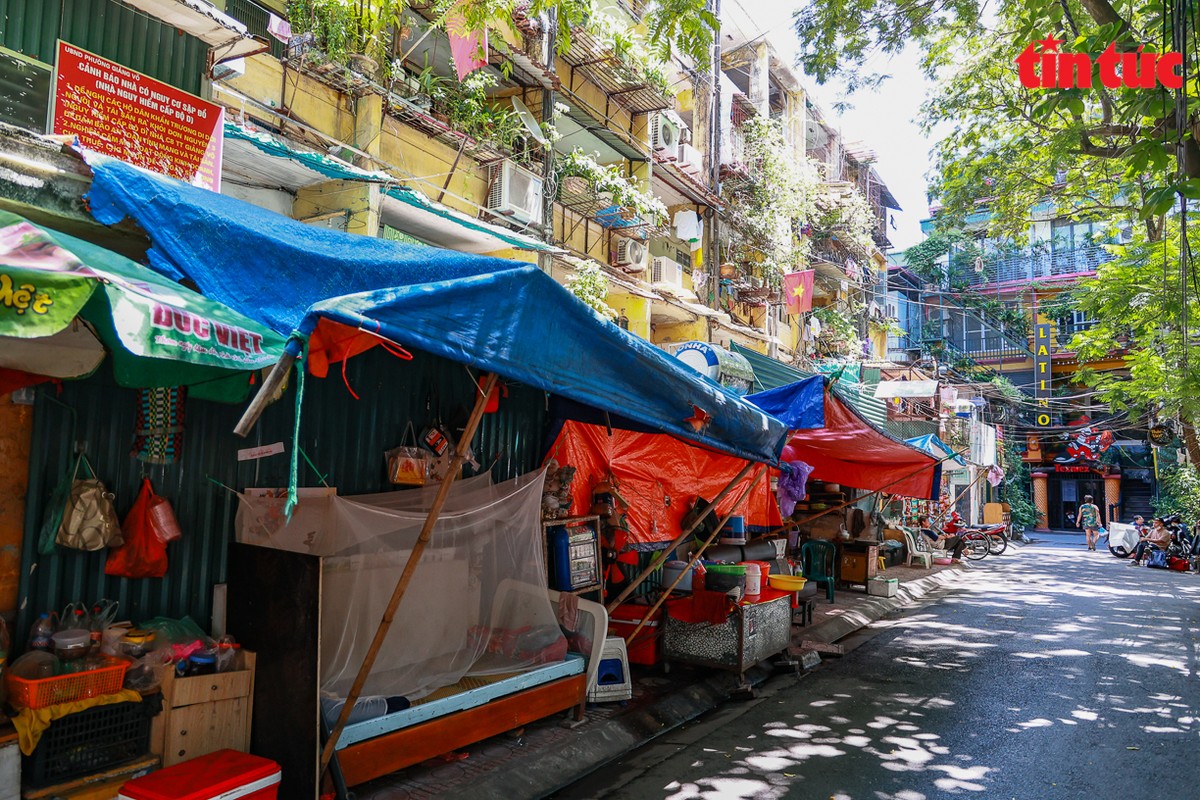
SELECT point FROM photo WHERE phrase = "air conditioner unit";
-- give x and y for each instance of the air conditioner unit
(665, 136)
(690, 159)
(515, 193)
(666, 272)
(630, 255)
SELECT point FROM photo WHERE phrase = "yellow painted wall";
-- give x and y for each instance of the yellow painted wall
(636, 310)
(527, 256)
(309, 101)
(582, 235)
(418, 155)
(680, 332)
(16, 431)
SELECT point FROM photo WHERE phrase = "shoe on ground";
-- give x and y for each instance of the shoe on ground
(956, 561)
(1134, 564)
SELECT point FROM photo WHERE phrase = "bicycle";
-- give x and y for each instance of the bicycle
(977, 545)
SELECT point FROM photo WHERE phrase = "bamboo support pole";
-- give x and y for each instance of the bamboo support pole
(662, 558)
(385, 624)
(265, 392)
(696, 556)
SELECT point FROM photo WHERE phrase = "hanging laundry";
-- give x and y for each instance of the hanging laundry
(279, 28)
(687, 225)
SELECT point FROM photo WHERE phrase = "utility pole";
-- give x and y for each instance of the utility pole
(549, 98)
(713, 257)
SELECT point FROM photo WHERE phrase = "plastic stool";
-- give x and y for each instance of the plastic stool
(611, 682)
(805, 609)
(882, 564)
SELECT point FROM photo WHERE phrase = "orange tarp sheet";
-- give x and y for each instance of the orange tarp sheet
(659, 476)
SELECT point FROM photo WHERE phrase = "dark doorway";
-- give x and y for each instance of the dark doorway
(1066, 493)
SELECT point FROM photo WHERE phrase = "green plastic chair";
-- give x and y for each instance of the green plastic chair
(818, 559)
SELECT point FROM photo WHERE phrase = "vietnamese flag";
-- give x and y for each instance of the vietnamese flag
(798, 290)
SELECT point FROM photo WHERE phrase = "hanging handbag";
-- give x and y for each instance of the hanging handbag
(55, 508)
(89, 520)
(143, 555)
(408, 464)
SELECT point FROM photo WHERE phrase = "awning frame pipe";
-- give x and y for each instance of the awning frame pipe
(865, 496)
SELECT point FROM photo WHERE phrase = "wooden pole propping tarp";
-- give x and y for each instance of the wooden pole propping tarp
(264, 394)
(410, 567)
(696, 556)
(665, 555)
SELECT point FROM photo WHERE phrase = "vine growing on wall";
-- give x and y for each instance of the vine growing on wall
(848, 217)
(590, 285)
(839, 336)
(1017, 488)
(782, 190)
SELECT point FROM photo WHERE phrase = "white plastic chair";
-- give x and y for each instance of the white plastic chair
(915, 551)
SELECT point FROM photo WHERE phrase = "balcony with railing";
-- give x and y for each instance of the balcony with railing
(991, 346)
(1036, 265)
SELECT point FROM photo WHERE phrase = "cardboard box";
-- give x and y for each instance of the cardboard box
(883, 587)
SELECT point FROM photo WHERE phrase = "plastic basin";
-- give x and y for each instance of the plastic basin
(787, 583)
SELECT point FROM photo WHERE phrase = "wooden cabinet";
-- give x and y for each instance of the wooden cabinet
(857, 563)
(204, 713)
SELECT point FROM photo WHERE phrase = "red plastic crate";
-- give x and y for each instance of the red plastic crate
(621, 622)
(42, 692)
(225, 774)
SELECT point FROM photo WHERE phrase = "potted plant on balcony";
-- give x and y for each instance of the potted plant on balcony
(353, 32)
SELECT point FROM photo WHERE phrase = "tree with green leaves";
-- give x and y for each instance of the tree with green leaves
(1117, 154)
(1136, 298)
(1098, 151)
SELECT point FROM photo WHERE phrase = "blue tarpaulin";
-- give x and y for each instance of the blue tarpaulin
(489, 313)
(933, 445)
(798, 405)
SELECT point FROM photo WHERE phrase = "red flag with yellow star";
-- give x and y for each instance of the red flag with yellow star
(797, 290)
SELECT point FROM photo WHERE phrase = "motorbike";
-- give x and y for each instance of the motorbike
(1122, 539)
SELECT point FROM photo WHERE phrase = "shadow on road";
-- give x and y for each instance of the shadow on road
(1046, 654)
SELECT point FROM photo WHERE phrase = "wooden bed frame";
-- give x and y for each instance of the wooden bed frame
(385, 754)
(274, 609)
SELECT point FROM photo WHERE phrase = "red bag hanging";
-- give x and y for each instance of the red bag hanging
(142, 555)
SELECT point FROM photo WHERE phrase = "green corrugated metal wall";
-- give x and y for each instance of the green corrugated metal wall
(344, 437)
(108, 29)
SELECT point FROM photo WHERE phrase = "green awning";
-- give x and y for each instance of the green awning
(61, 296)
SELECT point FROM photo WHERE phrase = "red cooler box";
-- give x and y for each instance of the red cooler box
(624, 619)
(223, 775)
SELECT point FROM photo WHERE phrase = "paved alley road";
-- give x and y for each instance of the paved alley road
(1049, 672)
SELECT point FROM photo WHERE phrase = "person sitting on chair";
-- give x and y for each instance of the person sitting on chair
(947, 541)
(1157, 538)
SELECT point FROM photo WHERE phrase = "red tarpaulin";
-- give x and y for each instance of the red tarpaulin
(850, 451)
(659, 476)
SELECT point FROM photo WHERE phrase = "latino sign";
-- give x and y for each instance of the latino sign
(1042, 374)
(122, 113)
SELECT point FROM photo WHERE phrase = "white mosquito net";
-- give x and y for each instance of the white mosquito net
(477, 604)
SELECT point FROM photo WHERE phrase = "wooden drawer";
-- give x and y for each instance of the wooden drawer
(203, 728)
(209, 688)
